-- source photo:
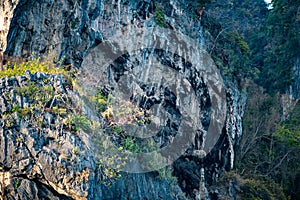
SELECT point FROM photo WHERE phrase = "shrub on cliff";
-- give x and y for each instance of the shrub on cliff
(33, 65)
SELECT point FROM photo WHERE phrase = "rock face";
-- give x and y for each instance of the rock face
(43, 159)
(52, 162)
(6, 14)
(128, 62)
(296, 84)
(64, 27)
(292, 95)
(36, 152)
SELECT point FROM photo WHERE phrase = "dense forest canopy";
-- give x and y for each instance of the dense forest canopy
(254, 41)
(250, 40)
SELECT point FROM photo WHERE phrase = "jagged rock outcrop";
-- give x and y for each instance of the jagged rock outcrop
(296, 83)
(43, 159)
(53, 162)
(65, 28)
(128, 62)
(292, 94)
(40, 160)
(6, 14)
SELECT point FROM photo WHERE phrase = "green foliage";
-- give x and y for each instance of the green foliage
(166, 173)
(22, 112)
(76, 151)
(249, 40)
(34, 65)
(260, 188)
(198, 3)
(125, 113)
(131, 145)
(288, 136)
(101, 101)
(241, 43)
(234, 56)
(59, 111)
(42, 97)
(281, 33)
(270, 147)
(136, 145)
(229, 49)
(159, 16)
(111, 162)
(155, 161)
(75, 22)
(289, 131)
(111, 141)
(37, 97)
(17, 184)
(252, 186)
(117, 130)
(9, 120)
(81, 122)
(76, 122)
(35, 92)
(15, 109)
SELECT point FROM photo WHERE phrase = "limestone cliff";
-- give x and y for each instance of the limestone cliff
(63, 27)
(131, 48)
(6, 14)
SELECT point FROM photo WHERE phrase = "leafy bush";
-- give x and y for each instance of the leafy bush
(290, 137)
(251, 187)
(76, 122)
(268, 146)
(100, 100)
(111, 161)
(166, 173)
(36, 93)
(159, 16)
(131, 145)
(261, 189)
(34, 65)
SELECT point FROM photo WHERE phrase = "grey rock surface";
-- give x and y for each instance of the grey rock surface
(6, 14)
(64, 28)
(54, 163)
(40, 162)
